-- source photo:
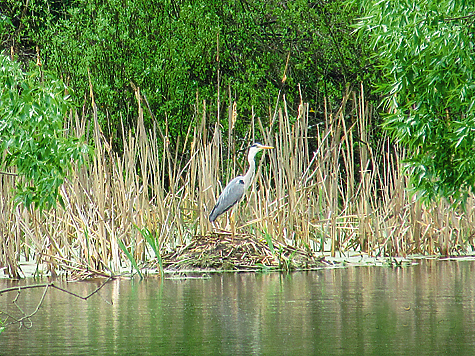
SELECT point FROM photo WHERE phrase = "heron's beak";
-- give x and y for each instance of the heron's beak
(262, 147)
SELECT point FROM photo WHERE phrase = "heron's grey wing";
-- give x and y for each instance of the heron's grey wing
(230, 196)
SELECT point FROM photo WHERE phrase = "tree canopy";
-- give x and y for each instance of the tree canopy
(178, 51)
(175, 51)
(425, 52)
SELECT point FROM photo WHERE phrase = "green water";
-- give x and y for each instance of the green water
(426, 309)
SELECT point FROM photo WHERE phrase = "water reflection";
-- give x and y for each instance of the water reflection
(428, 309)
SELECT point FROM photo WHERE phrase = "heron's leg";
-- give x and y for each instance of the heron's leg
(233, 226)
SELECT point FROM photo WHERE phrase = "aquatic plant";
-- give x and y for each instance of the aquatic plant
(333, 184)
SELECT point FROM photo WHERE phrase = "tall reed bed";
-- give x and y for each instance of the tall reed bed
(329, 186)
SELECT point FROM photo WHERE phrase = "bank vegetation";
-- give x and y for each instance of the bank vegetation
(334, 188)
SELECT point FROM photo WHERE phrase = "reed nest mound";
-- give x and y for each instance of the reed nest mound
(221, 251)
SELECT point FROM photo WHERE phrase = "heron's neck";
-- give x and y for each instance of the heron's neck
(250, 173)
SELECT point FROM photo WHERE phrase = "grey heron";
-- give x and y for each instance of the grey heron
(236, 188)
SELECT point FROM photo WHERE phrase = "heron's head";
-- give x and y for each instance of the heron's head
(256, 147)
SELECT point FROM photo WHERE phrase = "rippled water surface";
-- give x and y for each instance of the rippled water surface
(425, 309)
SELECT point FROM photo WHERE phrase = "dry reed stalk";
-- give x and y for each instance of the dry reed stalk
(348, 194)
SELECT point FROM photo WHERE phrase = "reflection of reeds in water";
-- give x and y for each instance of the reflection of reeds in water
(346, 193)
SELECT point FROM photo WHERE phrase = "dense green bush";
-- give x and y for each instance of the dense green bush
(170, 50)
(426, 52)
(32, 139)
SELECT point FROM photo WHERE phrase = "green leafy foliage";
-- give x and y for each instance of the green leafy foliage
(32, 138)
(176, 51)
(425, 50)
(2, 326)
(130, 256)
(5, 23)
(154, 244)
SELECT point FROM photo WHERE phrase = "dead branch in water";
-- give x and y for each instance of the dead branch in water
(25, 319)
